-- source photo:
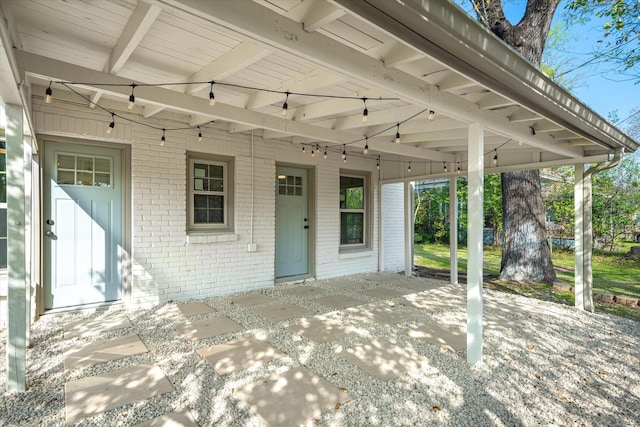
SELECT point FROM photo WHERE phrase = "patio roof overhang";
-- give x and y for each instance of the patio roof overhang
(429, 55)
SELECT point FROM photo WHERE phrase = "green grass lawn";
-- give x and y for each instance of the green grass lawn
(614, 273)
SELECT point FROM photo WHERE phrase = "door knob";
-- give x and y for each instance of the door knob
(49, 233)
(50, 222)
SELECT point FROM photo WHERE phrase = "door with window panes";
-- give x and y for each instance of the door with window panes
(83, 224)
(292, 223)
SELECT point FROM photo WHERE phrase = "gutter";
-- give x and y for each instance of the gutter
(447, 34)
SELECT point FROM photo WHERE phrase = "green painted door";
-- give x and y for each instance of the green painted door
(82, 225)
(292, 225)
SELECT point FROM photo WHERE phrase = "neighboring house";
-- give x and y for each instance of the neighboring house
(148, 213)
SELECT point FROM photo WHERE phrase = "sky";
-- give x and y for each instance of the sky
(604, 92)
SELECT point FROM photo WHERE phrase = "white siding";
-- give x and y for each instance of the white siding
(393, 227)
(170, 264)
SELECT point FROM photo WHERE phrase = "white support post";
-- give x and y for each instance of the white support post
(16, 256)
(408, 229)
(474, 242)
(579, 249)
(587, 244)
(453, 229)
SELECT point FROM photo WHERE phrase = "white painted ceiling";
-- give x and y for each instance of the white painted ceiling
(315, 47)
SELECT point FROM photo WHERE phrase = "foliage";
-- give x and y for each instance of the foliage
(431, 216)
(616, 200)
(621, 29)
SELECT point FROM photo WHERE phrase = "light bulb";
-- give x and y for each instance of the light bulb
(48, 94)
(110, 128)
(431, 115)
(212, 97)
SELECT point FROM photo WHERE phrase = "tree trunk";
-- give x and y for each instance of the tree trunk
(525, 253)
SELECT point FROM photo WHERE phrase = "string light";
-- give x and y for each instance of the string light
(325, 153)
(398, 134)
(495, 157)
(285, 106)
(366, 146)
(132, 98)
(365, 112)
(445, 166)
(409, 168)
(48, 94)
(212, 97)
(313, 153)
(458, 167)
(163, 139)
(199, 134)
(344, 152)
(112, 124)
(378, 163)
(432, 114)
(520, 143)
(304, 150)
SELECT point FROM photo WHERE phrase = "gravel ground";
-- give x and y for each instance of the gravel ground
(554, 365)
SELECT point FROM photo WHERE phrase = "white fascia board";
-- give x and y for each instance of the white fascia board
(444, 32)
(274, 30)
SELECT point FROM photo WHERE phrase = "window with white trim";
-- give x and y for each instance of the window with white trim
(3, 205)
(354, 221)
(210, 192)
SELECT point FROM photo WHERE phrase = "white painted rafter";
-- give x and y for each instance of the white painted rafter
(51, 69)
(142, 18)
(319, 14)
(330, 54)
(238, 58)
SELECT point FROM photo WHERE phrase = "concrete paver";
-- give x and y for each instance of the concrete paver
(293, 397)
(93, 327)
(239, 355)
(93, 395)
(210, 327)
(382, 359)
(278, 312)
(450, 338)
(321, 329)
(88, 354)
(172, 419)
(251, 300)
(338, 302)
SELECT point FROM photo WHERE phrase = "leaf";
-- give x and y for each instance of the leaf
(563, 398)
(343, 388)
(233, 390)
(317, 421)
(338, 405)
(538, 376)
(437, 409)
(601, 372)
(530, 346)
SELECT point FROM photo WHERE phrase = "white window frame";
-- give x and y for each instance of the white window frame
(226, 193)
(366, 232)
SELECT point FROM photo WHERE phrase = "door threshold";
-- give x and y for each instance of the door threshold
(102, 306)
(301, 278)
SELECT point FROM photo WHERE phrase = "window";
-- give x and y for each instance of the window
(83, 170)
(353, 211)
(210, 186)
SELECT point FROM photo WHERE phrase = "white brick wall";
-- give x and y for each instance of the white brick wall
(393, 227)
(169, 264)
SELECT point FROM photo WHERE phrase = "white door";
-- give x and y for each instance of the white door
(292, 224)
(82, 225)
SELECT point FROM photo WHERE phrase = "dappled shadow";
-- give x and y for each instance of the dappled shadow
(543, 363)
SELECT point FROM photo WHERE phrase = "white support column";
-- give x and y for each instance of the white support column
(474, 242)
(587, 243)
(453, 229)
(408, 229)
(17, 296)
(578, 196)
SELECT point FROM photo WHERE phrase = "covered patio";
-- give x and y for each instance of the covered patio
(176, 136)
(393, 353)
